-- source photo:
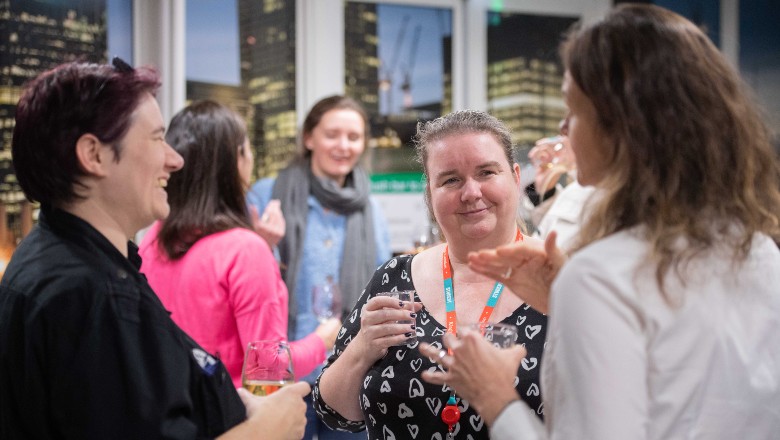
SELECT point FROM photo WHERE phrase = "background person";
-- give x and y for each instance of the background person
(562, 212)
(333, 227)
(473, 190)
(86, 348)
(660, 323)
(219, 278)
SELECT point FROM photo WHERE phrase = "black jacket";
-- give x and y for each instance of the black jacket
(88, 351)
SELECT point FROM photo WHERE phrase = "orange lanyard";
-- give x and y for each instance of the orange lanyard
(449, 293)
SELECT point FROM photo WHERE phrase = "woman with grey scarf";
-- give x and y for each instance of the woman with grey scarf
(334, 229)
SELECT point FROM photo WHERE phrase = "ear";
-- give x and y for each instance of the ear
(516, 168)
(92, 155)
(306, 138)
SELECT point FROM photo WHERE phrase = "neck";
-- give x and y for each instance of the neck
(459, 251)
(100, 219)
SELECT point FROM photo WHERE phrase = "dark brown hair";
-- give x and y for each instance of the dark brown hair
(58, 107)
(690, 158)
(207, 194)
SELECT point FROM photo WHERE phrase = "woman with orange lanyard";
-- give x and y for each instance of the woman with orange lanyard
(472, 191)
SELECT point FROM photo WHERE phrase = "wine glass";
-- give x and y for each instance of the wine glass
(498, 334)
(326, 300)
(267, 367)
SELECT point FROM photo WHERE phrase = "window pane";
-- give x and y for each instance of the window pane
(38, 36)
(398, 64)
(525, 73)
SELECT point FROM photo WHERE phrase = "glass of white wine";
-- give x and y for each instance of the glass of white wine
(267, 367)
(326, 301)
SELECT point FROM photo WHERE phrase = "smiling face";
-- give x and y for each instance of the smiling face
(588, 141)
(336, 144)
(135, 185)
(474, 191)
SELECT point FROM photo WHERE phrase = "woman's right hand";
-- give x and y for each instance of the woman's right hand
(281, 415)
(526, 268)
(379, 327)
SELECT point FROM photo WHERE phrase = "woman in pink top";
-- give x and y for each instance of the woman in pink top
(209, 267)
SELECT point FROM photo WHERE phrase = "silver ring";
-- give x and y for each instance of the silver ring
(442, 353)
(508, 272)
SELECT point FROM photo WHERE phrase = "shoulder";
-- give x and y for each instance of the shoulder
(234, 240)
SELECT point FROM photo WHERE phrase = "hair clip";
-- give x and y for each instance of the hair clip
(121, 65)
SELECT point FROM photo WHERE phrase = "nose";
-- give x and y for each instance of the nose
(173, 160)
(470, 191)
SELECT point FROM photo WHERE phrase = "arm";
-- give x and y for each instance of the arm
(367, 333)
(259, 300)
(597, 359)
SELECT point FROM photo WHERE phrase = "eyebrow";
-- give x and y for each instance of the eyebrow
(482, 166)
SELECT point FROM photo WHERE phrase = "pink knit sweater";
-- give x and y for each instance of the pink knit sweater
(225, 292)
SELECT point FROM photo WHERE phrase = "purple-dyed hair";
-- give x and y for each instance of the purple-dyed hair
(61, 105)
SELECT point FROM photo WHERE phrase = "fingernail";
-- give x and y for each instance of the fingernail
(413, 315)
(413, 326)
(408, 335)
(400, 304)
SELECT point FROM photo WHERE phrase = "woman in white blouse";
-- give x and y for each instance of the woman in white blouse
(664, 322)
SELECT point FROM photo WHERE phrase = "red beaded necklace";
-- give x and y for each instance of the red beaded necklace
(451, 414)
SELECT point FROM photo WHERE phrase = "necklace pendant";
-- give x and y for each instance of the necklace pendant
(450, 436)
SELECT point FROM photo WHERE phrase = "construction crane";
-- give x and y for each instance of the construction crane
(407, 84)
(388, 70)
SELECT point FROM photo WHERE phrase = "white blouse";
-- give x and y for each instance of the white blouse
(622, 362)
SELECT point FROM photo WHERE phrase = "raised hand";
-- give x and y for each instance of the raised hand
(527, 268)
(480, 372)
(271, 224)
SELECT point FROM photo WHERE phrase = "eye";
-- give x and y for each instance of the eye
(450, 181)
(355, 137)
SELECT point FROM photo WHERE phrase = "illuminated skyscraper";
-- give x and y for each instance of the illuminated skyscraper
(362, 61)
(35, 36)
(267, 32)
(525, 74)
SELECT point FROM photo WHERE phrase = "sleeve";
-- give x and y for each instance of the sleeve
(517, 418)
(259, 299)
(350, 328)
(381, 233)
(260, 193)
(598, 362)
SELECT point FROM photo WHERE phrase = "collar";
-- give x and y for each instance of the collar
(84, 235)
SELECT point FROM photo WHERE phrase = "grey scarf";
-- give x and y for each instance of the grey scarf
(292, 188)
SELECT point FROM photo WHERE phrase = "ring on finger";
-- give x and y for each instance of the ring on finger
(442, 353)
(508, 272)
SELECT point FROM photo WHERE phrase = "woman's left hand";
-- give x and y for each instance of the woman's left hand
(271, 225)
(479, 372)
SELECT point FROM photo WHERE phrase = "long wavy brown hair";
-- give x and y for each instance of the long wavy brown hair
(691, 159)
